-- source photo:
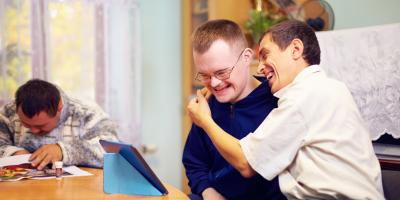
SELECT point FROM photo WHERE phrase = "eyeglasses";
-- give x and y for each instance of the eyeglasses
(222, 74)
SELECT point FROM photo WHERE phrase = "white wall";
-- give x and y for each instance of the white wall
(360, 13)
(161, 58)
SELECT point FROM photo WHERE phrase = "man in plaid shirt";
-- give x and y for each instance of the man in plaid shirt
(53, 127)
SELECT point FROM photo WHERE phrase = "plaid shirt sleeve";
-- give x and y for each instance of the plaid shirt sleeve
(83, 148)
(7, 136)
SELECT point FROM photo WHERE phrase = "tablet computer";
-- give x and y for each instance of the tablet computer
(132, 155)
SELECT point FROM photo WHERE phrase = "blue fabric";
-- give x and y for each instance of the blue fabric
(195, 197)
(205, 167)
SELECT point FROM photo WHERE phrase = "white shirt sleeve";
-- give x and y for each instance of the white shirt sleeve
(275, 143)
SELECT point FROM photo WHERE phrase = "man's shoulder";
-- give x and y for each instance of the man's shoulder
(9, 109)
(260, 95)
(85, 110)
(82, 105)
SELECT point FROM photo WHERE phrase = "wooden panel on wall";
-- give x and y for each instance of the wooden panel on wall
(236, 11)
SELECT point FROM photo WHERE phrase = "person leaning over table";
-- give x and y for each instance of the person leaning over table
(315, 141)
(239, 103)
(44, 121)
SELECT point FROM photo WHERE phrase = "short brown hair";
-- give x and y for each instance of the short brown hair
(36, 96)
(213, 30)
(284, 33)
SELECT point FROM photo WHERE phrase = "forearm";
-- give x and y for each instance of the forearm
(81, 153)
(197, 159)
(229, 147)
(85, 151)
(7, 147)
(200, 183)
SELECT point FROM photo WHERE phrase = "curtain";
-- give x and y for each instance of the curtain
(123, 72)
(90, 48)
(367, 60)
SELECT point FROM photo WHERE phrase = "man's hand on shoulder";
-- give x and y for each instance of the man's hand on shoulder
(21, 152)
(45, 154)
(212, 194)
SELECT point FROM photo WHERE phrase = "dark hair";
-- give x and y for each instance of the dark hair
(284, 33)
(37, 95)
(209, 32)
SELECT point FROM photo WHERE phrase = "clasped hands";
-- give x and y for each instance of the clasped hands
(44, 155)
(198, 108)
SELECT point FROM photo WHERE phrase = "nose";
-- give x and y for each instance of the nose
(260, 68)
(214, 81)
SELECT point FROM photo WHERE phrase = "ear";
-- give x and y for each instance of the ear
(248, 54)
(297, 49)
(60, 105)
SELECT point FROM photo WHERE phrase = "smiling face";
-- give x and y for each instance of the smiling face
(280, 67)
(221, 56)
(41, 123)
(285, 50)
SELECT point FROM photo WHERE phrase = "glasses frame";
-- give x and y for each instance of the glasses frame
(205, 78)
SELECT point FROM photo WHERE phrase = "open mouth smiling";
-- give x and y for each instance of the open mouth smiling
(221, 88)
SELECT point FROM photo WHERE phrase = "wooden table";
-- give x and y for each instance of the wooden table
(86, 187)
(389, 164)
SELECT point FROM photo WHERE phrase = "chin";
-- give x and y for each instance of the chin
(223, 98)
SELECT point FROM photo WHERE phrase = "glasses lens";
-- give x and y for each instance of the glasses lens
(202, 77)
(222, 75)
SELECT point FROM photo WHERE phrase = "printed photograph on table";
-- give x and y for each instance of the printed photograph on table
(26, 171)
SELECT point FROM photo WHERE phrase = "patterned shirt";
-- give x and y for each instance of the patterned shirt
(78, 132)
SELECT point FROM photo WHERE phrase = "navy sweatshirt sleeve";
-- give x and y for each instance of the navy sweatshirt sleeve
(196, 160)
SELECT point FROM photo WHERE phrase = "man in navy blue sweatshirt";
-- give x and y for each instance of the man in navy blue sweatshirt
(239, 103)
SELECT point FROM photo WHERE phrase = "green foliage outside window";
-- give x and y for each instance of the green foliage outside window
(69, 43)
(15, 54)
(259, 22)
(262, 17)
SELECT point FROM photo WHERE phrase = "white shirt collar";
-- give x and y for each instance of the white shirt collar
(301, 76)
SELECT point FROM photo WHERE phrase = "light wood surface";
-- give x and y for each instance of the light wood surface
(87, 187)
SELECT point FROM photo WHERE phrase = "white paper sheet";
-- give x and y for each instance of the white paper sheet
(15, 160)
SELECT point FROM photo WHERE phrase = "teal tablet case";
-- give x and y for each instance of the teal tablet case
(123, 178)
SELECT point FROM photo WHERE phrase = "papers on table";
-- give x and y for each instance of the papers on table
(76, 171)
(14, 160)
(14, 168)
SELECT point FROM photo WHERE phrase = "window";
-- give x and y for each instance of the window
(15, 43)
(70, 39)
(51, 40)
(91, 49)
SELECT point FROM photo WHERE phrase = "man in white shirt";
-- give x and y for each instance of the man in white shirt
(315, 141)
